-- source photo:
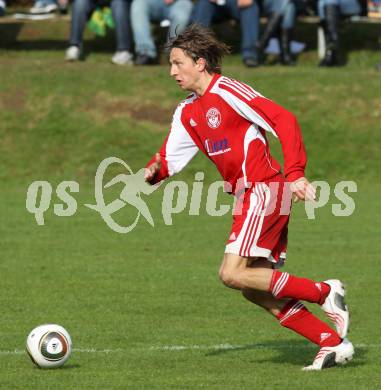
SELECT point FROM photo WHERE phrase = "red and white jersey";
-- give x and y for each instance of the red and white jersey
(228, 123)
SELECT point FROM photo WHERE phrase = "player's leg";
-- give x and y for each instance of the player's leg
(263, 299)
(260, 231)
(257, 236)
(292, 314)
(235, 273)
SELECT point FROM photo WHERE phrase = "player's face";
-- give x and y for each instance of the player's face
(184, 70)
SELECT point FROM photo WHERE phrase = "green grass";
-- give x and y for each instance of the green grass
(134, 294)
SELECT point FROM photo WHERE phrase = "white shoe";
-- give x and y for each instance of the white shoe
(122, 58)
(41, 7)
(335, 307)
(72, 53)
(331, 356)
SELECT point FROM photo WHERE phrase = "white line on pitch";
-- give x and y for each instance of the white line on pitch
(80, 350)
(244, 346)
(216, 347)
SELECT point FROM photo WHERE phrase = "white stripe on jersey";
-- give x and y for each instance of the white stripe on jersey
(253, 220)
(237, 89)
(252, 133)
(242, 108)
(242, 85)
(180, 147)
(246, 243)
(247, 92)
(266, 194)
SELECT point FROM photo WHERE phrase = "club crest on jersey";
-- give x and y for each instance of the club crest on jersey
(213, 118)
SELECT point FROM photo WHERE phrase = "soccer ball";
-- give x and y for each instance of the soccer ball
(49, 345)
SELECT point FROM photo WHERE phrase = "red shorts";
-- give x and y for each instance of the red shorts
(260, 222)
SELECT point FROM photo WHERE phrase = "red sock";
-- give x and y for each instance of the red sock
(296, 317)
(284, 285)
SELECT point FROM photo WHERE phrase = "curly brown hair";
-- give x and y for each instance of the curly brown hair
(200, 42)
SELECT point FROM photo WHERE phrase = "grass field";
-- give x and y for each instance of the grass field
(146, 309)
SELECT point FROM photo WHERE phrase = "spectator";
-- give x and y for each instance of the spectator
(177, 12)
(49, 6)
(81, 10)
(329, 12)
(44, 7)
(246, 11)
(378, 66)
(281, 22)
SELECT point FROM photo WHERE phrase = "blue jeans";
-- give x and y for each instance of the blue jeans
(45, 1)
(347, 7)
(205, 12)
(145, 11)
(81, 10)
(287, 8)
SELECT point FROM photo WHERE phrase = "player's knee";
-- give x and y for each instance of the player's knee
(229, 278)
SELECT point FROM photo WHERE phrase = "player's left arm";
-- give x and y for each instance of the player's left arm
(287, 129)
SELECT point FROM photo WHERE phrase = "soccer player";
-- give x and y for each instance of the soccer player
(227, 120)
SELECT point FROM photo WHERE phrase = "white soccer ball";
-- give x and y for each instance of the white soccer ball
(49, 345)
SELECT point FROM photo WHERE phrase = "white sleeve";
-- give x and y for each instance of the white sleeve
(180, 147)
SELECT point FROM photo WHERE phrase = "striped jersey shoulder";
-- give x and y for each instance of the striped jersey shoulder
(179, 113)
(180, 107)
(189, 99)
(237, 88)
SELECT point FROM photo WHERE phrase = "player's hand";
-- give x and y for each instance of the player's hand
(244, 3)
(153, 169)
(303, 190)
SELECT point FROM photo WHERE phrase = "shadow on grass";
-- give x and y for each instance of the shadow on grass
(64, 367)
(70, 367)
(295, 352)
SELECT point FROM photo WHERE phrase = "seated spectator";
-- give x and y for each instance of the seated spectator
(177, 12)
(281, 22)
(378, 66)
(246, 11)
(329, 12)
(2, 7)
(81, 10)
(44, 7)
(49, 6)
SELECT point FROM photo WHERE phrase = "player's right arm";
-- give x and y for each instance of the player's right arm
(175, 153)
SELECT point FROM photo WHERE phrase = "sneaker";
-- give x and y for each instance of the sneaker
(43, 7)
(2, 8)
(72, 53)
(331, 356)
(144, 59)
(122, 58)
(250, 62)
(335, 307)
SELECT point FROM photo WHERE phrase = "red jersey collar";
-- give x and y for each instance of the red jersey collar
(212, 82)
